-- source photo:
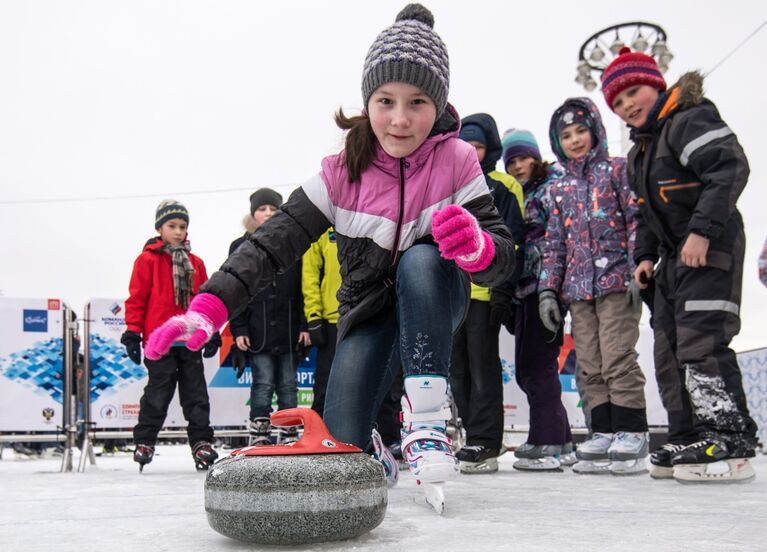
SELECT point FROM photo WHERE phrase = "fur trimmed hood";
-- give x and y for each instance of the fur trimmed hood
(690, 87)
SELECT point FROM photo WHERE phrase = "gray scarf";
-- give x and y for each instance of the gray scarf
(183, 273)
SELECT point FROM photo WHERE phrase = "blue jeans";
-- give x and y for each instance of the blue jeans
(432, 297)
(270, 373)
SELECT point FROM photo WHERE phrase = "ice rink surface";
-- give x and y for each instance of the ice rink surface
(111, 507)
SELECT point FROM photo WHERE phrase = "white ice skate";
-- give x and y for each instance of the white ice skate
(592, 455)
(384, 455)
(424, 443)
(538, 457)
(731, 470)
(628, 452)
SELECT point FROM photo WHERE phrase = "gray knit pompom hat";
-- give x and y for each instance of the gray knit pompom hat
(409, 51)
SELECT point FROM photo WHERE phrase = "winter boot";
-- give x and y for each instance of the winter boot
(204, 455)
(478, 459)
(384, 455)
(538, 457)
(710, 461)
(143, 455)
(260, 430)
(593, 456)
(628, 453)
(660, 460)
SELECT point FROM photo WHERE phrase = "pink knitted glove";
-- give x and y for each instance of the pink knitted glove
(460, 238)
(206, 314)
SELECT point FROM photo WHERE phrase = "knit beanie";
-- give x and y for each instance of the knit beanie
(264, 196)
(169, 209)
(629, 69)
(473, 133)
(573, 116)
(409, 51)
(518, 143)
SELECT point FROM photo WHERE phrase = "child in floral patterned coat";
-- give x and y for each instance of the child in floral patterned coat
(587, 266)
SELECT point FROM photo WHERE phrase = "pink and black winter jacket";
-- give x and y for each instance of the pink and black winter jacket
(375, 220)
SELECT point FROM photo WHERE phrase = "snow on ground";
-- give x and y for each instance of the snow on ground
(111, 507)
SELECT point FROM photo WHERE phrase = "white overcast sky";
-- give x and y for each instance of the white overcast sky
(205, 101)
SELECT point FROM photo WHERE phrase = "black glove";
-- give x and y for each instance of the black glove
(239, 361)
(317, 332)
(132, 342)
(501, 307)
(212, 345)
(300, 351)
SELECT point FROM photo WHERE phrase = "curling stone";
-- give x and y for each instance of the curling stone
(314, 490)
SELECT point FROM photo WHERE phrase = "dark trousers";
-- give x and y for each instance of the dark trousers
(536, 354)
(388, 421)
(324, 361)
(180, 366)
(696, 315)
(476, 377)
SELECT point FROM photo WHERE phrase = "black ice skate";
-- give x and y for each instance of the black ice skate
(710, 461)
(660, 459)
(143, 454)
(288, 435)
(478, 459)
(204, 455)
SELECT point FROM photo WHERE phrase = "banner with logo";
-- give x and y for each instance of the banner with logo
(516, 409)
(117, 383)
(31, 364)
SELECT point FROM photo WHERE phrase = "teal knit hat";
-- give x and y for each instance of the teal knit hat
(518, 142)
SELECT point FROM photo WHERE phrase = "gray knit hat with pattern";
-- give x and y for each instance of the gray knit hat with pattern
(409, 51)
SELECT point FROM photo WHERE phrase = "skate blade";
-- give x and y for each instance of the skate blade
(547, 464)
(592, 467)
(735, 470)
(628, 467)
(661, 472)
(486, 466)
(435, 495)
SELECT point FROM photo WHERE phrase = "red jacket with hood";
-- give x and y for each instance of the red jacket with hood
(151, 300)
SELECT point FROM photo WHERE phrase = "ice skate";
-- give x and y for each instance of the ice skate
(592, 454)
(478, 459)
(143, 455)
(710, 461)
(660, 461)
(204, 455)
(384, 455)
(568, 457)
(538, 457)
(454, 428)
(628, 453)
(287, 435)
(424, 443)
(259, 432)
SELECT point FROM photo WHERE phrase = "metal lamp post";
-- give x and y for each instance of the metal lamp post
(602, 47)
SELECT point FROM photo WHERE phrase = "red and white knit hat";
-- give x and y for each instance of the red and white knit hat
(629, 69)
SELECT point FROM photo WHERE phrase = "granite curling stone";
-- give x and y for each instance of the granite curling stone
(314, 490)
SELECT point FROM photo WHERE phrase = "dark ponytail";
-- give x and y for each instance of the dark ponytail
(360, 144)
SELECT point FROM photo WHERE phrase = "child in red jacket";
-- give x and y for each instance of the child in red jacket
(165, 278)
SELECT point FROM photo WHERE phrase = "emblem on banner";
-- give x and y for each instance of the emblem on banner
(47, 414)
(109, 412)
(54, 304)
(115, 308)
(35, 320)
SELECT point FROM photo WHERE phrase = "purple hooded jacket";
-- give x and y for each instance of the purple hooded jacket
(589, 241)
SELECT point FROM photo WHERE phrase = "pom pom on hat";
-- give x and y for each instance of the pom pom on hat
(409, 51)
(630, 69)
